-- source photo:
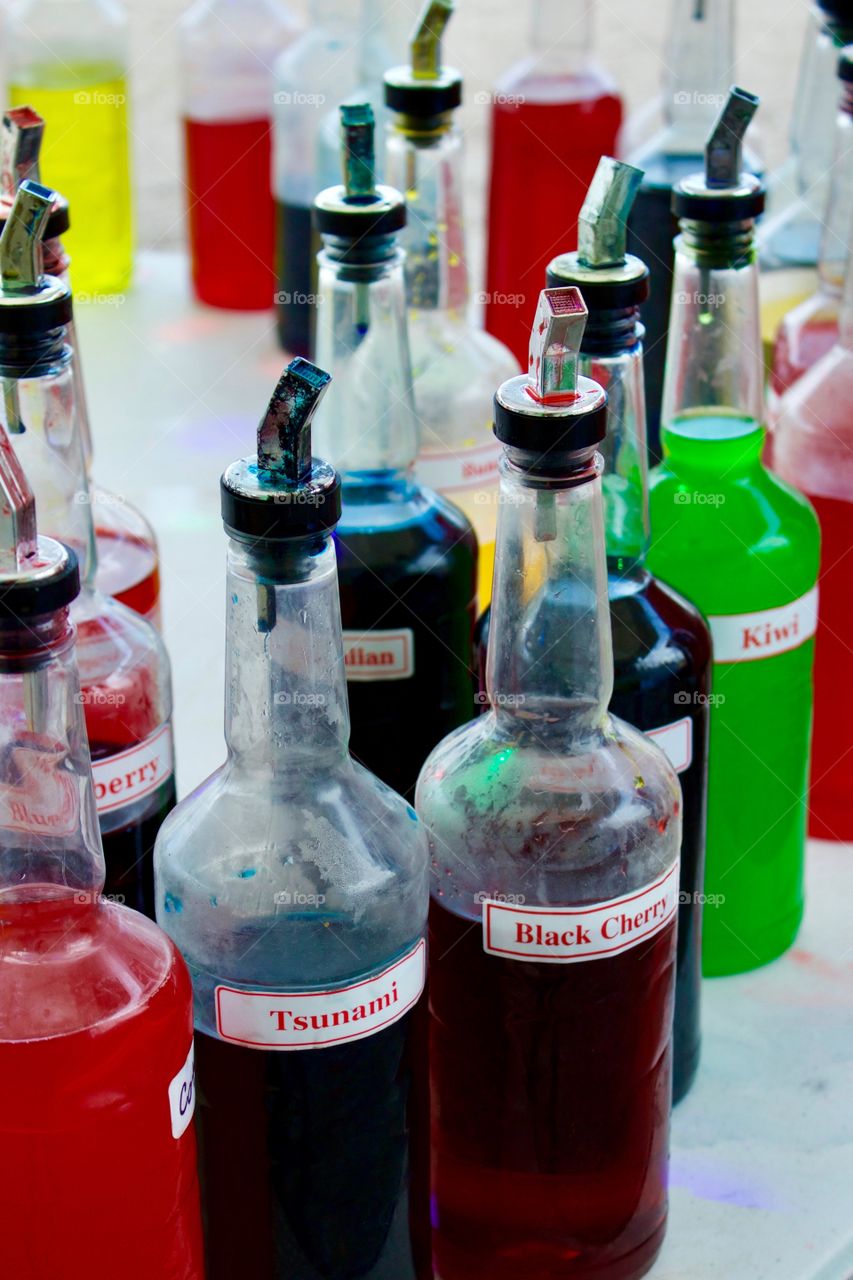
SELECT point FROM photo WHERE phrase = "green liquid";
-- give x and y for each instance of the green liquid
(734, 539)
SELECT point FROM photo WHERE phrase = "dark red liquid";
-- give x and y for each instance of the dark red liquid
(314, 1163)
(830, 810)
(228, 165)
(803, 338)
(95, 1022)
(544, 155)
(550, 1109)
(129, 850)
(129, 571)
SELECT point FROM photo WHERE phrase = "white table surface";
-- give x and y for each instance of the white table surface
(762, 1161)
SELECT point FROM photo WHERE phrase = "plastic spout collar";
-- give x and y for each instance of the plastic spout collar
(20, 151)
(284, 492)
(424, 91)
(553, 416)
(723, 193)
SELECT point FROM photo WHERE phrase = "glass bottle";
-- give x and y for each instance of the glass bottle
(810, 329)
(557, 97)
(745, 546)
(661, 643)
(554, 832)
(407, 558)
(96, 1052)
(68, 60)
(813, 451)
(455, 365)
(123, 666)
(295, 884)
(340, 58)
(228, 50)
(697, 64)
(128, 559)
(790, 233)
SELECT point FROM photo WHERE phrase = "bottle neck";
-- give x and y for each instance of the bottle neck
(50, 841)
(839, 210)
(550, 658)
(697, 69)
(714, 360)
(426, 163)
(624, 450)
(40, 414)
(367, 419)
(561, 33)
(285, 694)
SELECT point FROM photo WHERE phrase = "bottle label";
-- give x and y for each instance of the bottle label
(45, 799)
(182, 1096)
(676, 742)
(314, 1019)
(460, 468)
(379, 655)
(567, 934)
(130, 775)
(746, 637)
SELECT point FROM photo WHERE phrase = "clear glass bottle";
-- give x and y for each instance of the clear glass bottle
(813, 451)
(455, 366)
(790, 233)
(68, 59)
(96, 1051)
(340, 58)
(555, 833)
(123, 665)
(555, 101)
(407, 557)
(697, 66)
(295, 884)
(128, 558)
(745, 547)
(228, 51)
(811, 328)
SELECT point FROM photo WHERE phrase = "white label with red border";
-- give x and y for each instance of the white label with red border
(315, 1019)
(379, 655)
(182, 1096)
(565, 935)
(130, 775)
(461, 468)
(676, 742)
(747, 637)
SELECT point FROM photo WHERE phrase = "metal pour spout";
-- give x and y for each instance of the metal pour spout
(21, 256)
(20, 147)
(358, 151)
(724, 146)
(602, 225)
(555, 343)
(426, 41)
(284, 433)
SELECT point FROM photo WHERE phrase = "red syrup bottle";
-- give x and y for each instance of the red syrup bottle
(555, 833)
(554, 115)
(124, 670)
(96, 1056)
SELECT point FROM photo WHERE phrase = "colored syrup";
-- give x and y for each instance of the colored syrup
(551, 1129)
(129, 850)
(544, 154)
(662, 656)
(313, 1163)
(129, 571)
(95, 1023)
(419, 577)
(806, 334)
(85, 156)
(231, 214)
(830, 807)
(296, 251)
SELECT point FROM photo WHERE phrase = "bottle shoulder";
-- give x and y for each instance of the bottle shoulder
(657, 633)
(418, 515)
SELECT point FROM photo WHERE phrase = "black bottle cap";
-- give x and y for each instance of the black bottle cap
(51, 583)
(723, 193)
(283, 492)
(552, 413)
(360, 208)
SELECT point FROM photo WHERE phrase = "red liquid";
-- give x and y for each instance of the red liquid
(95, 1022)
(806, 334)
(228, 166)
(129, 571)
(550, 1109)
(544, 155)
(830, 810)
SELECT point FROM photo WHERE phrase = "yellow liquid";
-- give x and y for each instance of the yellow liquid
(85, 158)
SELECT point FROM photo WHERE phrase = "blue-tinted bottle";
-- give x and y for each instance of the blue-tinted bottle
(407, 558)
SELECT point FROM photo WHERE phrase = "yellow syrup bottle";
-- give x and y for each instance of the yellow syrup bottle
(67, 59)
